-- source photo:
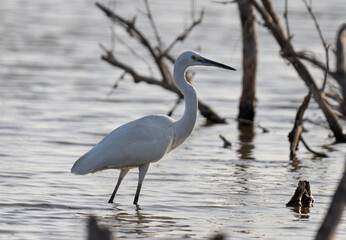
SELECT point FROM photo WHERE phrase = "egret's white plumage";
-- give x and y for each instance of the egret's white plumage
(148, 139)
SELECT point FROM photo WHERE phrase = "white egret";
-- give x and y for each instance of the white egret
(148, 139)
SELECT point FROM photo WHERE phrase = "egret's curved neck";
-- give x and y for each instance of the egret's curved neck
(184, 126)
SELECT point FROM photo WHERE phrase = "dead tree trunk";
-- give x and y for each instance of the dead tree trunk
(288, 52)
(248, 99)
(341, 65)
(334, 214)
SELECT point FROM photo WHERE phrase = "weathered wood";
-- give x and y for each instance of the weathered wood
(341, 64)
(226, 143)
(205, 110)
(219, 236)
(273, 23)
(247, 103)
(294, 135)
(302, 196)
(159, 56)
(328, 228)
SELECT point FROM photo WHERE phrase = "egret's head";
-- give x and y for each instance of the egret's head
(190, 58)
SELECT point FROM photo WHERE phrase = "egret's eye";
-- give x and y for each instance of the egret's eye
(194, 58)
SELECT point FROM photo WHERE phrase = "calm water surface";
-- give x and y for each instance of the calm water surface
(54, 107)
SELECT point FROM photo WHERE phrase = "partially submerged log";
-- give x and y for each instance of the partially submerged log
(97, 233)
(302, 196)
(247, 103)
(295, 136)
(336, 209)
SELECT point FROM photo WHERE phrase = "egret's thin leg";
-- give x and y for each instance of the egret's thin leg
(142, 171)
(122, 174)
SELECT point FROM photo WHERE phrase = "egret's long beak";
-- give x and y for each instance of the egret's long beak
(208, 62)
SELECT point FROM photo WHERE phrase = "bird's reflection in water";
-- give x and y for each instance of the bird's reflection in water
(140, 223)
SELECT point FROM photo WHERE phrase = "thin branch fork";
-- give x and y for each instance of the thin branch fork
(152, 22)
(311, 59)
(204, 109)
(135, 32)
(296, 133)
(157, 54)
(324, 66)
(167, 79)
(111, 59)
(181, 37)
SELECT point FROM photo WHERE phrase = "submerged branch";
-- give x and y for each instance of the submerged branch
(204, 109)
(334, 214)
(295, 135)
(302, 196)
(320, 154)
(226, 143)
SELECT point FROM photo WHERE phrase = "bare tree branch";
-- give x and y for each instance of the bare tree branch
(310, 58)
(272, 22)
(324, 43)
(320, 154)
(181, 37)
(150, 16)
(167, 80)
(316, 23)
(111, 59)
(295, 135)
(135, 32)
(334, 214)
(170, 113)
(286, 19)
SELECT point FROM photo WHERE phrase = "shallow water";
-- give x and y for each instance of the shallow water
(54, 106)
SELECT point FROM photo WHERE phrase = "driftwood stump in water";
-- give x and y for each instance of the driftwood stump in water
(302, 196)
(97, 233)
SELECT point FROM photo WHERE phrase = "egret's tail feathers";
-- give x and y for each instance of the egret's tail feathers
(76, 169)
(82, 166)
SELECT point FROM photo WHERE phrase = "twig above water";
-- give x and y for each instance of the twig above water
(226, 143)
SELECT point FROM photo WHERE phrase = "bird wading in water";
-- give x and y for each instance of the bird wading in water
(148, 139)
